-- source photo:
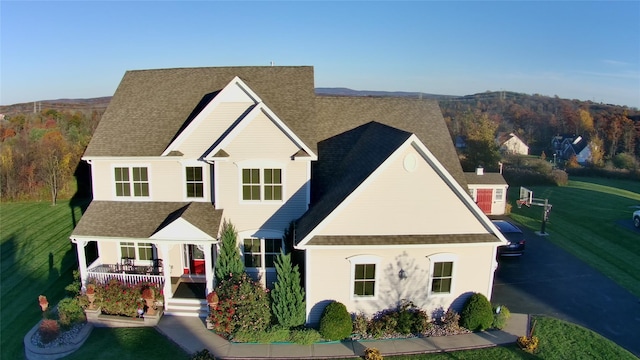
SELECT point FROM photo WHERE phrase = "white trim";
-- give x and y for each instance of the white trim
(261, 165)
(364, 260)
(252, 115)
(129, 166)
(433, 162)
(208, 109)
(438, 258)
(128, 159)
(78, 238)
(404, 246)
(206, 183)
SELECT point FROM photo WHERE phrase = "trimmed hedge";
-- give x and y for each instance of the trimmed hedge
(476, 314)
(335, 322)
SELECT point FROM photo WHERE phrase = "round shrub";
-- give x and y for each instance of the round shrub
(476, 314)
(500, 316)
(70, 312)
(335, 322)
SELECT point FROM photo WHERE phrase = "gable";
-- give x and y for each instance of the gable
(180, 229)
(405, 197)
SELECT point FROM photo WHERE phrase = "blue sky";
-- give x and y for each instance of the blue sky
(572, 49)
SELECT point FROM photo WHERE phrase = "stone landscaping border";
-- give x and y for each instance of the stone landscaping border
(33, 352)
(98, 319)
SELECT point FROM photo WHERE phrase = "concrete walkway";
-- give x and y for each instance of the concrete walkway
(191, 334)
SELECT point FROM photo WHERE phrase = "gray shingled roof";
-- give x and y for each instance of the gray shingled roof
(485, 179)
(150, 106)
(403, 239)
(143, 219)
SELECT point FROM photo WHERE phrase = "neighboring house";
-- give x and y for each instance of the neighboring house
(460, 142)
(565, 146)
(380, 201)
(488, 190)
(509, 143)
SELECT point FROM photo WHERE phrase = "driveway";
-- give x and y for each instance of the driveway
(547, 280)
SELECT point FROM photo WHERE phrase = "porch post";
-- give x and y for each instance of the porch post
(208, 267)
(166, 271)
(82, 261)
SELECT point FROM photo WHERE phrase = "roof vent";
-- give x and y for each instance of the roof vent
(479, 170)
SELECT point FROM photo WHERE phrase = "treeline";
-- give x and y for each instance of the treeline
(40, 151)
(614, 131)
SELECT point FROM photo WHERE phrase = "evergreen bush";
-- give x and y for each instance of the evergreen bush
(287, 297)
(476, 314)
(500, 316)
(335, 322)
(229, 262)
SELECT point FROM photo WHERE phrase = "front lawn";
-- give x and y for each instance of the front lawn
(37, 258)
(591, 218)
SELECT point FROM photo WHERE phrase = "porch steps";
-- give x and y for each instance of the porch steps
(186, 307)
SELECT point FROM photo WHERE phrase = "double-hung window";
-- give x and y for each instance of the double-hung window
(364, 276)
(143, 251)
(364, 281)
(499, 194)
(195, 182)
(262, 184)
(260, 253)
(442, 273)
(133, 181)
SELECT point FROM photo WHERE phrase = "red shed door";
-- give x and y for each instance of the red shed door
(485, 200)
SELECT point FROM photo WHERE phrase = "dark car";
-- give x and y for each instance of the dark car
(515, 238)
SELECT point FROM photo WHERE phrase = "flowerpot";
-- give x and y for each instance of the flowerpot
(92, 299)
(150, 306)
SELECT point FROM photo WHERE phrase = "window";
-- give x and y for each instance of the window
(364, 280)
(122, 181)
(442, 277)
(128, 250)
(499, 194)
(261, 252)
(143, 251)
(195, 182)
(272, 184)
(267, 188)
(136, 177)
(140, 181)
(250, 184)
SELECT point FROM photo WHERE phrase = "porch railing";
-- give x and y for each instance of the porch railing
(131, 275)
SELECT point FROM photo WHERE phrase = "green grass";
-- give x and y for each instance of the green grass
(128, 343)
(586, 221)
(36, 258)
(558, 340)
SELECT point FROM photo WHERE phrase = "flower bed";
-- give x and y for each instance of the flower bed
(65, 343)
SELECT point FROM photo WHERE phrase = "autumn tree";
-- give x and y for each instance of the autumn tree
(584, 123)
(55, 163)
(597, 150)
(481, 149)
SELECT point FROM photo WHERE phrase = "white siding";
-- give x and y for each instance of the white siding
(398, 201)
(210, 129)
(330, 277)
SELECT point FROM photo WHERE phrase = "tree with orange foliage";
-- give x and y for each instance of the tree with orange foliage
(55, 162)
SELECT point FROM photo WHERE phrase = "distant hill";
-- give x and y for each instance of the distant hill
(99, 104)
(350, 92)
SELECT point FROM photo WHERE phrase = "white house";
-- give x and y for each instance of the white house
(510, 143)
(381, 206)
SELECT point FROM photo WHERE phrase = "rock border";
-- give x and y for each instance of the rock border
(33, 352)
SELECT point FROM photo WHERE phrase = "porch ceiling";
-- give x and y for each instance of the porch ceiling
(143, 219)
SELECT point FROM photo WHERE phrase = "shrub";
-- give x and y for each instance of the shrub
(118, 298)
(476, 314)
(229, 262)
(203, 355)
(243, 306)
(360, 325)
(500, 316)
(335, 322)
(451, 320)
(288, 303)
(528, 343)
(560, 177)
(49, 330)
(625, 161)
(305, 336)
(271, 335)
(372, 354)
(70, 312)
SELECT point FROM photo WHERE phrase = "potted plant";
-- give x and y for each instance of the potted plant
(44, 303)
(212, 299)
(91, 295)
(149, 297)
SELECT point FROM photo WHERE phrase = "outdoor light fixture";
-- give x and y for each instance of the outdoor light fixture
(402, 274)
